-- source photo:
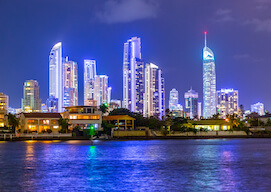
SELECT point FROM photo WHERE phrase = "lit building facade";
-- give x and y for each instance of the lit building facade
(70, 83)
(52, 104)
(199, 109)
(209, 82)
(258, 108)
(89, 79)
(3, 109)
(31, 101)
(173, 100)
(191, 103)
(133, 76)
(227, 102)
(56, 75)
(154, 96)
(109, 90)
(100, 89)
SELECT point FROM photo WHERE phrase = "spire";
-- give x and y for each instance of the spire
(205, 38)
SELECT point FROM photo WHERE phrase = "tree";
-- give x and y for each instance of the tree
(13, 121)
(121, 111)
(104, 107)
(216, 116)
(107, 127)
(64, 123)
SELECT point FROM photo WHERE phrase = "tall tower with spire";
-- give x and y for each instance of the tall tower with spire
(209, 81)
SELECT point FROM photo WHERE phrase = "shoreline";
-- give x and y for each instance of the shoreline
(137, 138)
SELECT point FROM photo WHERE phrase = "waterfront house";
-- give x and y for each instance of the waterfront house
(212, 125)
(39, 122)
(121, 122)
(83, 116)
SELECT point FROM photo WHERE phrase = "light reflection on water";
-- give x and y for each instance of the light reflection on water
(157, 165)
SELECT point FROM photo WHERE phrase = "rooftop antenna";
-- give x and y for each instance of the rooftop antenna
(205, 32)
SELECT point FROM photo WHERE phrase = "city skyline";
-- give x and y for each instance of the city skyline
(103, 41)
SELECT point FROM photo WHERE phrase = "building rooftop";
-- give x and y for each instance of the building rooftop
(42, 115)
(80, 106)
(118, 117)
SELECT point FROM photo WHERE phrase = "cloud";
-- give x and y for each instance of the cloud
(124, 11)
(223, 15)
(260, 25)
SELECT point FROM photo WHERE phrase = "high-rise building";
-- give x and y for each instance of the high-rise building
(173, 100)
(209, 82)
(89, 79)
(70, 83)
(109, 90)
(52, 104)
(133, 76)
(191, 103)
(258, 108)
(56, 75)
(3, 109)
(199, 109)
(31, 101)
(100, 89)
(227, 102)
(154, 96)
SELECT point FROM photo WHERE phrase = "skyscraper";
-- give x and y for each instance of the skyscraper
(209, 82)
(89, 79)
(154, 96)
(133, 76)
(56, 74)
(173, 100)
(3, 109)
(227, 102)
(258, 108)
(100, 89)
(109, 90)
(191, 103)
(70, 82)
(31, 101)
(199, 109)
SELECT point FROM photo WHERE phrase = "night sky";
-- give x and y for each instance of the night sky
(172, 37)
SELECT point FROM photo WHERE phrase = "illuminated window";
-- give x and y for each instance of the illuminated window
(1, 124)
(96, 117)
(216, 127)
(55, 127)
(32, 121)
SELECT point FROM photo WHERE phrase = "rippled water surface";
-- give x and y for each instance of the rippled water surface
(155, 165)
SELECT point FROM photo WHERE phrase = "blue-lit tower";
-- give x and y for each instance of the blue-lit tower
(209, 82)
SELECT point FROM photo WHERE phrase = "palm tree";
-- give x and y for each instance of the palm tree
(104, 108)
(64, 123)
(13, 121)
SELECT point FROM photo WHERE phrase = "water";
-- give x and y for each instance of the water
(155, 165)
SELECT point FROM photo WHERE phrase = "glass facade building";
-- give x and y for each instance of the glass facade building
(31, 101)
(191, 103)
(100, 89)
(154, 96)
(56, 75)
(227, 102)
(258, 108)
(173, 100)
(133, 76)
(209, 82)
(70, 82)
(89, 79)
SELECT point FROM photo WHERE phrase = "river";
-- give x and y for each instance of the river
(148, 165)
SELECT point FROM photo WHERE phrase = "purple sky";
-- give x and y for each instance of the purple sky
(172, 33)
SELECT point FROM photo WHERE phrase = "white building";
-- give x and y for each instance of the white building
(89, 79)
(199, 109)
(154, 96)
(258, 108)
(227, 102)
(209, 82)
(56, 75)
(133, 76)
(70, 83)
(173, 100)
(100, 89)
